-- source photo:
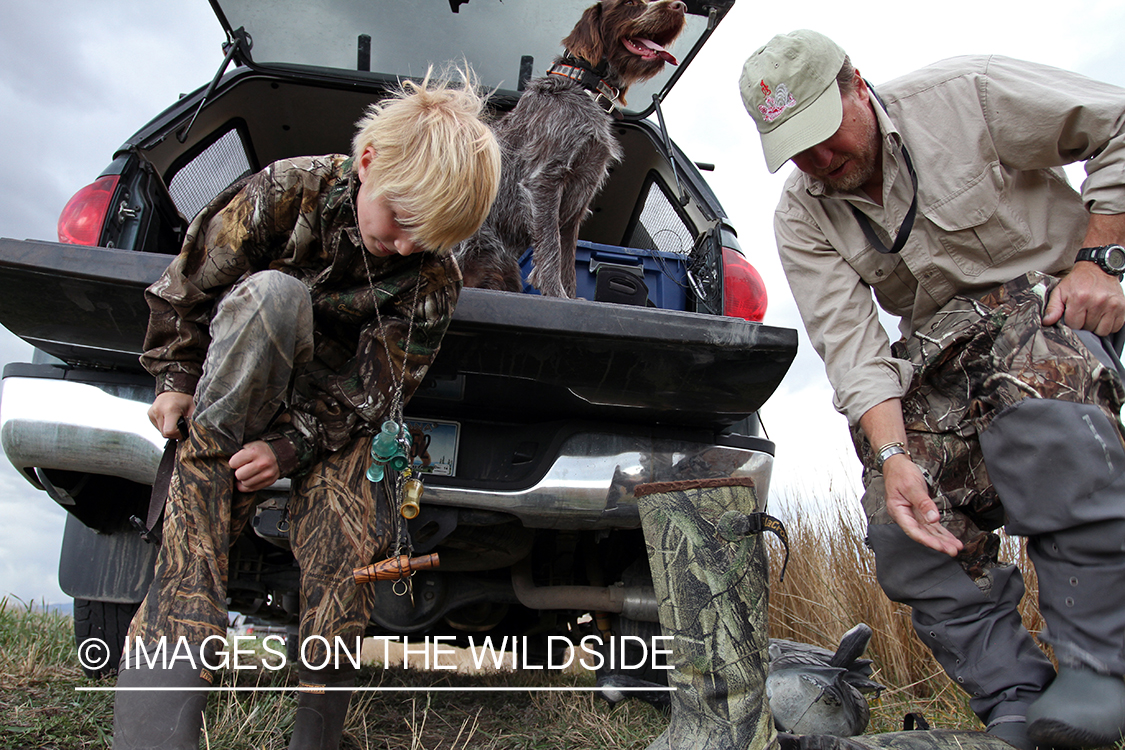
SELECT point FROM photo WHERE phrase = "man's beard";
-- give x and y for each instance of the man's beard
(864, 162)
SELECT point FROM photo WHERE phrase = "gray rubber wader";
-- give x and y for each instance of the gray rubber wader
(1060, 470)
(146, 719)
(935, 739)
(319, 722)
(973, 628)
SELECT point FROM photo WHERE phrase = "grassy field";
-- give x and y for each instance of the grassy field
(42, 705)
(829, 586)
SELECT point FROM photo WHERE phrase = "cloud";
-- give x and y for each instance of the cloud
(76, 80)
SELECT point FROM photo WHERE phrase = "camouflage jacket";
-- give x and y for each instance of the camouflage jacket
(298, 216)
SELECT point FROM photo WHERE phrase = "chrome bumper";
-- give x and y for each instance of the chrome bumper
(57, 424)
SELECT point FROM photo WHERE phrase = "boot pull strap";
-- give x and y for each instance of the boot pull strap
(151, 527)
(733, 526)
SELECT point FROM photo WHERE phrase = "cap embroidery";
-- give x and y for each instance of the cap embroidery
(776, 102)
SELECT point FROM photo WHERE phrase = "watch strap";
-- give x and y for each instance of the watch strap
(1098, 255)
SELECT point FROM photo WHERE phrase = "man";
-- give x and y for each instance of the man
(940, 199)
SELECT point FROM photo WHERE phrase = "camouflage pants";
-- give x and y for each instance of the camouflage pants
(338, 519)
(976, 358)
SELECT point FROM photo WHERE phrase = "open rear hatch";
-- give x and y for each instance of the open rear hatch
(505, 41)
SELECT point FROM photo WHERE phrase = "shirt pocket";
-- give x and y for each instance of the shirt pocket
(978, 227)
(887, 275)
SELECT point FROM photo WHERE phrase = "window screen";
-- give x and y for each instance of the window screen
(660, 226)
(217, 166)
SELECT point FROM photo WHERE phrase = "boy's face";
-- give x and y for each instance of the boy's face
(381, 223)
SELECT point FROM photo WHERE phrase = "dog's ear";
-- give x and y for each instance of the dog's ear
(585, 39)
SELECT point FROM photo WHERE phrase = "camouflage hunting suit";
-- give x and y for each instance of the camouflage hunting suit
(973, 359)
(296, 217)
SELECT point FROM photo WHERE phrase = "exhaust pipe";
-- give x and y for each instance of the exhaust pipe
(634, 602)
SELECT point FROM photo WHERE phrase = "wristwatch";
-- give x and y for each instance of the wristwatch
(1110, 258)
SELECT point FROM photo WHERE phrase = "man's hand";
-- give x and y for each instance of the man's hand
(1088, 299)
(166, 411)
(255, 467)
(907, 496)
(910, 506)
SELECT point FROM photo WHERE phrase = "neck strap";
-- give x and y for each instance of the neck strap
(908, 220)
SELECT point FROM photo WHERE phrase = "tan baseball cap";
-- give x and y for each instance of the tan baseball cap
(789, 88)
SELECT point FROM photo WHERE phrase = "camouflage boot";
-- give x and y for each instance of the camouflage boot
(711, 579)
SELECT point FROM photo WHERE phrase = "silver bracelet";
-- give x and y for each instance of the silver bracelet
(888, 450)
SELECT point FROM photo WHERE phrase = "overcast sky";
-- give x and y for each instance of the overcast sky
(77, 78)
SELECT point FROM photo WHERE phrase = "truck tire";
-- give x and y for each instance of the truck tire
(109, 623)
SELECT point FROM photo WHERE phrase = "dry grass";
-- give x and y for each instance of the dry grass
(829, 586)
(42, 707)
(447, 720)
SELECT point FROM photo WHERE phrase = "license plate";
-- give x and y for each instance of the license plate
(434, 446)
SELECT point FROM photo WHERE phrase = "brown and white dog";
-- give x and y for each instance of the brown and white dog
(557, 144)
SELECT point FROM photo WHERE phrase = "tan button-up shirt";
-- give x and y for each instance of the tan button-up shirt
(987, 137)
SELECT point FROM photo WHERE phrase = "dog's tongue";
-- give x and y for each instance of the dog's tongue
(660, 52)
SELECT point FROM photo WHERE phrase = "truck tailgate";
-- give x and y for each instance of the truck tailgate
(85, 306)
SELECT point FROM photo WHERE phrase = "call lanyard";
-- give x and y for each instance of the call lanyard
(907, 221)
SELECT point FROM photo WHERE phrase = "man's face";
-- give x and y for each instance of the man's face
(850, 158)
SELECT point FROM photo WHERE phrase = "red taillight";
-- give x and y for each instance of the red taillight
(744, 292)
(81, 221)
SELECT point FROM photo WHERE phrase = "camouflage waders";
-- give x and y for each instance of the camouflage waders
(261, 331)
(712, 581)
(993, 386)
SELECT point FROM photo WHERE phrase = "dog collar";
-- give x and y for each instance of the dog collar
(604, 95)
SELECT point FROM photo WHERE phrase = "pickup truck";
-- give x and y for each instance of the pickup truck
(539, 415)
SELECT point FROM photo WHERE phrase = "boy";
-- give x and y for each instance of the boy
(305, 307)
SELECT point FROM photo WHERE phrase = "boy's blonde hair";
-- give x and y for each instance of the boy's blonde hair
(435, 158)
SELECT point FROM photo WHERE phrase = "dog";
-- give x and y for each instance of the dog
(557, 144)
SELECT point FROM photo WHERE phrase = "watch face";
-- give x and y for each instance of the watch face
(1115, 258)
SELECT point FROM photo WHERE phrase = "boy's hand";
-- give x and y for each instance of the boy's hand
(166, 411)
(255, 467)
